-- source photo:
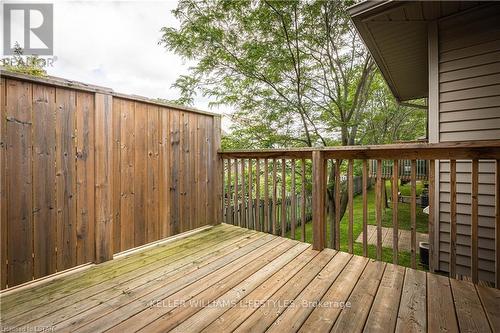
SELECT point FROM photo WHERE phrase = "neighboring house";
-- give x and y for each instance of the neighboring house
(448, 52)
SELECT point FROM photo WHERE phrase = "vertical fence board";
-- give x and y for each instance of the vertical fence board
(217, 165)
(140, 177)
(19, 187)
(66, 178)
(3, 185)
(85, 177)
(175, 156)
(127, 164)
(44, 180)
(194, 150)
(237, 220)
(152, 192)
(165, 166)
(116, 120)
(103, 168)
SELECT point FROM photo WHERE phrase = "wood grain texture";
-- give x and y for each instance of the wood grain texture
(127, 164)
(66, 178)
(413, 214)
(44, 181)
(103, 184)
(3, 185)
(474, 221)
(19, 197)
(395, 221)
(365, 208)
(85, 219)
(350, 186)
(153, 184)
(318, 201)
(453, 218)
(117, 191)
(412, 316)
(440, 307)
(337, 204)
(378, 208)
(140, 175)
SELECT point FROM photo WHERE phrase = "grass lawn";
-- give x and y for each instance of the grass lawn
(404, 223)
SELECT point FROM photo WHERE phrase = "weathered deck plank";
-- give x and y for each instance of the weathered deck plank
(228, 279)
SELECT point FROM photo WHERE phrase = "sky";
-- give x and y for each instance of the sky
(115, 44)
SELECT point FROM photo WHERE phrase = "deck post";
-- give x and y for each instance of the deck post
(318, 199)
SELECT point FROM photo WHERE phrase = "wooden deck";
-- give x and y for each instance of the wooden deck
(231, 279)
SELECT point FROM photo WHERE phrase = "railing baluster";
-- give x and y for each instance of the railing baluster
(318, 194)
(230, 218)
(275, 197)
(378, 212)
(237, 220)
(243, 196)
(365, 208)
(303, 201)
(432, 191)
(453, 218)
(474, 221)
(293, 201)
(251, 224)
(223, 182)
(413, 213)
(257, 195)
(395, 221)
(337, 204)
(266, 196)
(497, 224)
(283, 197)
(350, 190)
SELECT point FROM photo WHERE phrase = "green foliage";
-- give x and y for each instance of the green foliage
(31, 65)
(295, 72)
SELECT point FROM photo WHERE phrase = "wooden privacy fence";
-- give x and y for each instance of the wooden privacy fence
(87, 172)
(265, 181)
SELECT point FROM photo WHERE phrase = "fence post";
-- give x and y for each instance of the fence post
(103, 168)
(318, 199)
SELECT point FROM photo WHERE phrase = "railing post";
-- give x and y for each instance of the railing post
(318, 199)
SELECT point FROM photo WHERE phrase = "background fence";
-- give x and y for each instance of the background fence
(86, 173)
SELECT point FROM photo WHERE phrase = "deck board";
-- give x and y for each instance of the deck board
(228, 279)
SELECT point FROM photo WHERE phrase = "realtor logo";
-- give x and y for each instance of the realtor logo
(29, 25)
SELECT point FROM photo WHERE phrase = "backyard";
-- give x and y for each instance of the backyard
(404, 224)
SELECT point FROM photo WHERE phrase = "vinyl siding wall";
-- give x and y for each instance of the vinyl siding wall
(469, 109)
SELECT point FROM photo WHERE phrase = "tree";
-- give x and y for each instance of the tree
(296, 72)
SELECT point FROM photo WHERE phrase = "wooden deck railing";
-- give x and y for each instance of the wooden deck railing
(268, 190)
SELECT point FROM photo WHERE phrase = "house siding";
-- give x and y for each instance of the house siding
(469, 109)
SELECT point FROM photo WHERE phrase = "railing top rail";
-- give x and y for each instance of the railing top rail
(450, 150)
